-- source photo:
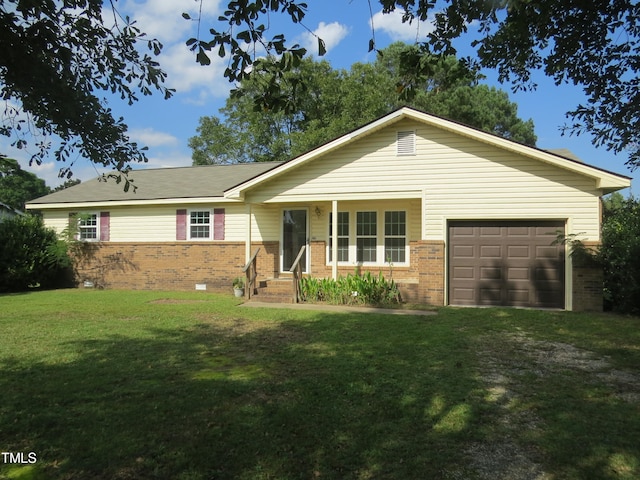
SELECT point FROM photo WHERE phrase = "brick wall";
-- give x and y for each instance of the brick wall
(170, 266)
(182, 265)
(430, 264)
(588, 282)
(587, 289)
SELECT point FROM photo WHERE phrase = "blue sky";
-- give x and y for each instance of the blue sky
(166, 125)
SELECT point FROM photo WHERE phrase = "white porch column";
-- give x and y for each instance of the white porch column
(247, 241)
(334, 235)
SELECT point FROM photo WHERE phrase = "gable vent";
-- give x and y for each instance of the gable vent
(406, 143)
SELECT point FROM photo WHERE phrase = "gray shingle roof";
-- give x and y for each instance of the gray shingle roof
(154, 184)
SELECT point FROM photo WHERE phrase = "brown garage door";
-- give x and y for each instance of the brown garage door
(509, 263)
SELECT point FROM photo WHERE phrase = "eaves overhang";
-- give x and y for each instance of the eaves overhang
(128, 203)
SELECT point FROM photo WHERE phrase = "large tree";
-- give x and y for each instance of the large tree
(18, 186)
(333, 102)
(594, 44)
(55, 58)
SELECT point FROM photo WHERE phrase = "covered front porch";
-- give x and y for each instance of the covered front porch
(378, 236)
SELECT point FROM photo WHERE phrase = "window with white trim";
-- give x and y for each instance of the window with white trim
(343, 236)
(366, 236)
(200, 225)
(395, 236)
(375, 237)
(88, 226)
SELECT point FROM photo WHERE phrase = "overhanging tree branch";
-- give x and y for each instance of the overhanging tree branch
(55, 56)
(592, 44)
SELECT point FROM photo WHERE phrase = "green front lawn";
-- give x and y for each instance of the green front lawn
(141, 385)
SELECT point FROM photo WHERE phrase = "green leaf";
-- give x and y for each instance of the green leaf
(202, 58)
(322, 48)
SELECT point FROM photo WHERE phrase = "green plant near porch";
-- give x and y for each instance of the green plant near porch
(365, 289)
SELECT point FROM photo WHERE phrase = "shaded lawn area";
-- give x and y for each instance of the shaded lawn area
(112, 384)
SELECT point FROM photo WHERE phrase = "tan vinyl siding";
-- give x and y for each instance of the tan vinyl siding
(235, 224)
(146, 224)
(153, 223)
(265, 223)
(58, 220)
(458, 178)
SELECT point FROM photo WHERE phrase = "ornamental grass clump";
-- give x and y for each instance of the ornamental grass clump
(366, 289)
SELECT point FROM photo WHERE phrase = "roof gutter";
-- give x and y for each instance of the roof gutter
(126, 203)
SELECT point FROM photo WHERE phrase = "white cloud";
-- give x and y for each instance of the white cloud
(152, 138)
(48, 171)
(186, 75)
(332, 34)
(162, 20)
(167, 160)
(392, 25)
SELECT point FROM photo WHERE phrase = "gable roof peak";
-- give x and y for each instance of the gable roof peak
(606, 180)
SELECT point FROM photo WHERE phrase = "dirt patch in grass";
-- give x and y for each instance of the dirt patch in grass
(175, 301)
(505, 360)
(550, 357)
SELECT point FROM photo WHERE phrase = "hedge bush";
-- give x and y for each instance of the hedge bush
(619, 254)
(32, 256)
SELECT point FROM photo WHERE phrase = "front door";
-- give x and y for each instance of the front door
(294, 236)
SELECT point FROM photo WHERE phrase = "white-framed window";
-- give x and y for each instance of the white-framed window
(200, 224)
(88, 227)
(395, 236)
(366, 237)
(343, 236)
(375, 238)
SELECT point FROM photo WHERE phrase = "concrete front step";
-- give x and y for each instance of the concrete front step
(271, 299)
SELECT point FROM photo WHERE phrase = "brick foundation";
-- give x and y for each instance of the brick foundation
(430, 257)
(170, 266)
(587, 282)
(182, 265)
(587, 289)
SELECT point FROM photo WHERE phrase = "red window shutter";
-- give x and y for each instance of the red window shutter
(181, 224)
(104, 226)
(218, 223)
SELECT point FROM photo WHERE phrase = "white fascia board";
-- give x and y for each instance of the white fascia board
(127, 203)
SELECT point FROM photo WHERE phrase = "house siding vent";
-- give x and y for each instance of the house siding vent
(406, 143)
